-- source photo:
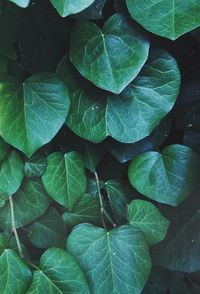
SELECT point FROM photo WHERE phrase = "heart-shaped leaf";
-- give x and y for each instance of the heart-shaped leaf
(166, 18)
(15, 276)
(87, 210)
(30, 202)
(48, 231)
(36, 110)
(130, 116)
(117, 261)
(65, 179)
(58, 273)
(91, 52)
(67, 7)
(168, 177)
(11, 173)
(145, 216)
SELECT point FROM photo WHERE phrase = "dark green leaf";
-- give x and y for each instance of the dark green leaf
(3, 148)
(92, 52)
(117, 261)
(30, 202)
(65, 179)
(11, 173)
(35, 166)
(67, 7)
(39, 107)
(166, 18)
(59, 273)
(92, 155)
(168, 177)
(15, 276)
(146, 217)
(48, 231)
(118, 195)
(87, 210)
(9, 242)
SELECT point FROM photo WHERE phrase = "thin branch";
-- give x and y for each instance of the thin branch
(14, 228)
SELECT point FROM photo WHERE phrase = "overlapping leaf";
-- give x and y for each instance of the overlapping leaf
(67, 7)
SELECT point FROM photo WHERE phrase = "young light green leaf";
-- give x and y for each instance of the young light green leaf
(35, 166)
(67, 7)
(21, 3)
(3, 148)
(146, 217)
(38, 109)
(30, 202)
(117, 261)
(15, 276)
(130, 116)
(65, 179)
(48, 231)
(112, 57)
(59, 273)
(168, 177)
(166, 18)
(11, 173)
(87, 210)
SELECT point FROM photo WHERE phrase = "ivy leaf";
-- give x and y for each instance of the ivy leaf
(59, 273)
(91, 52)
(35, 166)
(67, 7)
(65, 179)
(21, 3)
(3, 148)
(11, 173)
(168, 177)
(9, 242)
(48, 231)
(94, 11)
(113, 261)
(92, 155)
(146, 217)
(15, 276)
(87, 210)
(41, 93)
(118, 195)
(130, 116)
(30, 202)
(169, 19)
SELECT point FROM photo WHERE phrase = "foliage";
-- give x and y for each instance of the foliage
(99, 146)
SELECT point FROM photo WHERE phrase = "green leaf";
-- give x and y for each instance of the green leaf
(40, 94)
(130, 116)
(92, 155)
(166, 18)
(59, 273)
(15, 276)
(3, 148)
(168, 177)
(114, 262)
(91, 52)
(65, 179)
(146, 217)
(87, 210)
(94, 11)
(30, 202)
(11, 173)
(9, 242)
(118, 195)
(21, 3)
(35, 166)
(48, 231)
(67, 7)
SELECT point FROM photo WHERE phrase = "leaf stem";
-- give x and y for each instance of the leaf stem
(13, 227)
(103, 212)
